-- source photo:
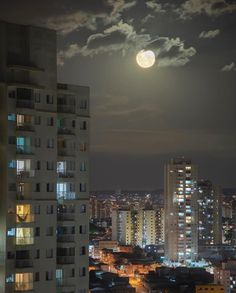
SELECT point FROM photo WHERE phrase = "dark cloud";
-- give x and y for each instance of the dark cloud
(229, 67)
(208, 7)
(209, 34)
(65, 16)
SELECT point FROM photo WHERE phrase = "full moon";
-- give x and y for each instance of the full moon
(145, 59)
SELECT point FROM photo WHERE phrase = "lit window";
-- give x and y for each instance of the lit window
(24, 236)
(23, 281)
(23, 214)
(11, 232)
(10, 279)
(12, 164)
(11, 117)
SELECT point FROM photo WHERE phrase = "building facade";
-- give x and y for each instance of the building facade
(43, 168)
(226, 276)
(137, 227)
(209, 213)
(180, 205)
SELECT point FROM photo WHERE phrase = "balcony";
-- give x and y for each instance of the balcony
(25, 67)
(24, 218)
(66, 108)
(65, 195)
(68, 282)
(66, 238)
(24, 263)
(65, 217)
(24, 150)
(66, 153)
(65, 175)
(24, 286)
(65, 260)
(25, 127)
(29, 104)
(25, 173)
(24, 240)
(65, 131)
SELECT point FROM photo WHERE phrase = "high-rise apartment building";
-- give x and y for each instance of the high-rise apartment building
(209, 213)
(180, 204)
(43, 168)
(136, 227)
(122, 228)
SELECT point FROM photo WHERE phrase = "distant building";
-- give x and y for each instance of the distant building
(209, 213)
(122, 228)
(100, 209)
(180, 197)
(226, 276)
(137, 227)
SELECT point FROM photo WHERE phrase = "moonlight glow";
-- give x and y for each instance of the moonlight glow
(145, 59)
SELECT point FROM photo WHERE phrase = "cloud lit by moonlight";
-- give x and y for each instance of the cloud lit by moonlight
(145, 59)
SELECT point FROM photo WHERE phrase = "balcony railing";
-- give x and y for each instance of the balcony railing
(65, 260)
(25, 127)
(65, 131)
(66, 109)
(25, 173)
(24, 240)
(24, 218)
(65, 282)
(24, 150)
(66, 153)
(65, 217)
(25, 104)
(65, 175)
(66, 238)
(24, 263)
(65, 195)
(24, 286)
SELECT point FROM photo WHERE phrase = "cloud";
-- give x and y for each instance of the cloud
(106, 12)
(147, 18)
(229, 67)
(156, 7)
(209, 34)
(122, 37)
(209, 7)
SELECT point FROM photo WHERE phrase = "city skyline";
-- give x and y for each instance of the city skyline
(184, 105)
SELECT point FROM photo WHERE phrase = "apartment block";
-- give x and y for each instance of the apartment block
(209, 213)
(180, 205)
(43, 168)
(137, 227)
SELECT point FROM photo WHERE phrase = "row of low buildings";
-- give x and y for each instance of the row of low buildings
(44, 207)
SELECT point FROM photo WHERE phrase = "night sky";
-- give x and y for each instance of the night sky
(184, 105)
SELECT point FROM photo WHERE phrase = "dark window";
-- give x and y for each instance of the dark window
(38, 165)
(49, 209)
(36, 277)
(37, 187)
(37, 120)
(49, 99)
(37, 253)
(12, 140)
(37, 231)
(49, 276)
(50, 121)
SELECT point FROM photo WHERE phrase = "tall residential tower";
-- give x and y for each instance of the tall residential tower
(43, 168)
(181, 239)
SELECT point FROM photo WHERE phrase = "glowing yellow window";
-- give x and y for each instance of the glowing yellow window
(24, 282)
(24, 236)
(23, 214)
